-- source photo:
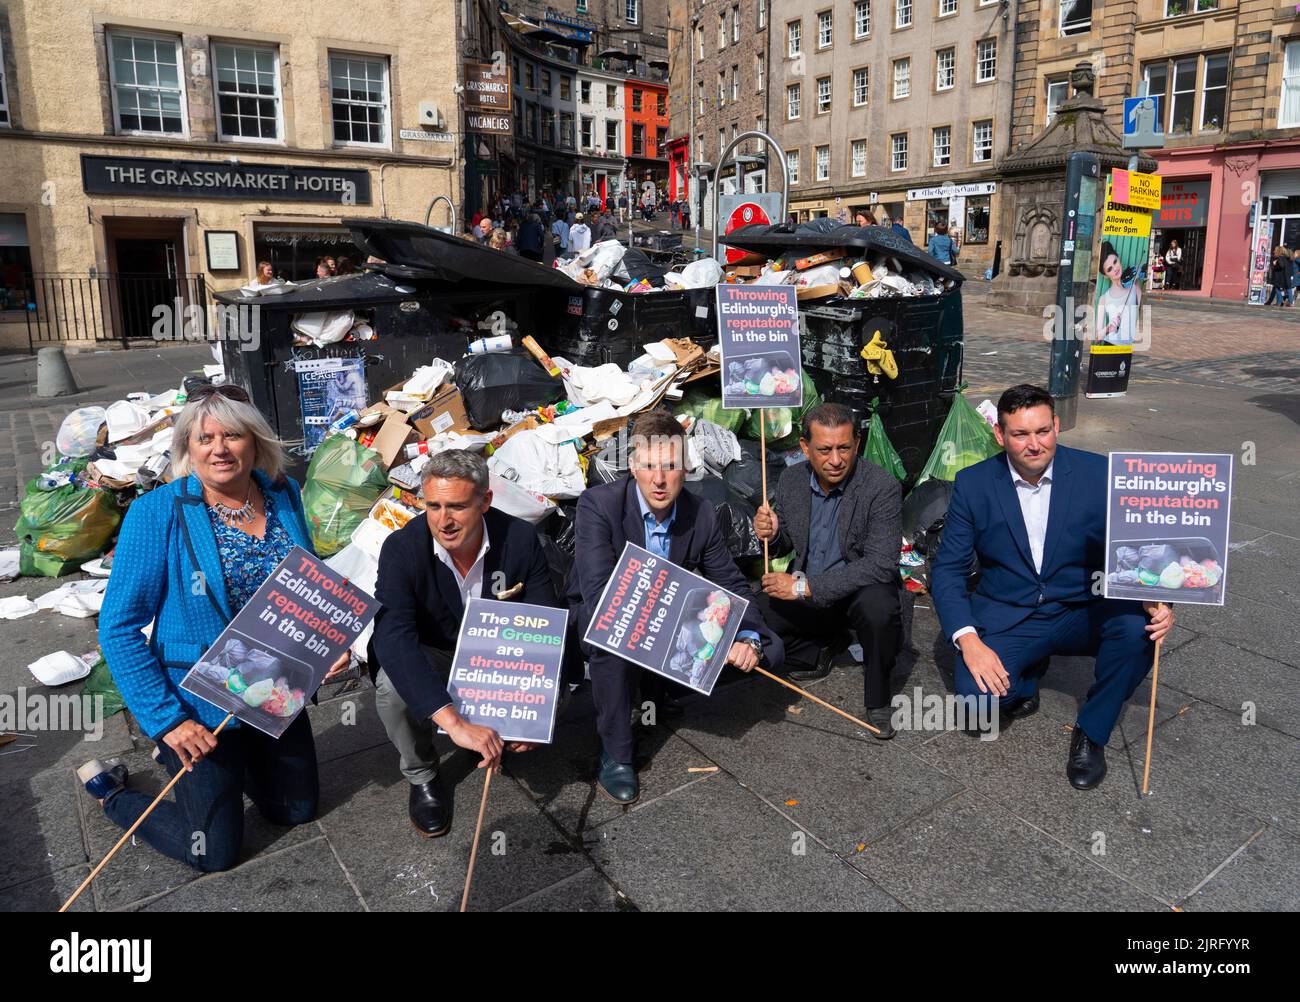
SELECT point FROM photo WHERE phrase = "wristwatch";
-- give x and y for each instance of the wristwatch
(800, 587)
(754, 645)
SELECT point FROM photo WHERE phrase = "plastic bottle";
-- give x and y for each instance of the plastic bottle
(484, 345)
(514, 417)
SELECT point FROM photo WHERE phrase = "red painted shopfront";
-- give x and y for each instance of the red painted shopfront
(1216, 201)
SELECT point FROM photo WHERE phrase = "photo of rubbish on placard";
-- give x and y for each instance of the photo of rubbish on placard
(1172, 570)
(699, 653)
(264, 688)
(772, 376)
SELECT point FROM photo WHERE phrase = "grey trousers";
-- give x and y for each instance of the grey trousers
(412, 738)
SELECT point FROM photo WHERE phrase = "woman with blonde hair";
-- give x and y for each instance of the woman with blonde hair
(499, 241)
(190, 555)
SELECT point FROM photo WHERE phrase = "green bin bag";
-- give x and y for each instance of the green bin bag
(880, 450)
(964, 440)
(344, 481)
(58, 530)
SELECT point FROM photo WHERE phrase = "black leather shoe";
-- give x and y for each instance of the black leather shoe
(818, 671)
(1021, 708)
(430, 812)
(880, 717)
(618, 781)
(1086, 766)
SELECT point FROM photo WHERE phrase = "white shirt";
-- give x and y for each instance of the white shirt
(1035, 502)
(471, 585)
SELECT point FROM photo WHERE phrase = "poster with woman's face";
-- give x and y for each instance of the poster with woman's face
(1121, 275)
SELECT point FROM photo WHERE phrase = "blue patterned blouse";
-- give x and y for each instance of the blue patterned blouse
(246, 560)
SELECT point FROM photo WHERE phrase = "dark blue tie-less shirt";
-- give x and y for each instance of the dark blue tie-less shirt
(823, 529)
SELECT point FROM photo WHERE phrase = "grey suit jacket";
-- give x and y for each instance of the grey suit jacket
(870, 529)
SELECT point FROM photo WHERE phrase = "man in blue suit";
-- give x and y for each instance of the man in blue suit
(649, 508)
(1035, 518)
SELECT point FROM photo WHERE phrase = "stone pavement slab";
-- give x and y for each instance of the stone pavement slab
(1262, 876)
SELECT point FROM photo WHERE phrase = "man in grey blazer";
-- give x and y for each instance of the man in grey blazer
(842, 516)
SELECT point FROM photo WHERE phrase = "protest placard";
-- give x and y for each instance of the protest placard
(664, 618)
(1167, 526)
(758, 334)
(505, 673)
(272, 657)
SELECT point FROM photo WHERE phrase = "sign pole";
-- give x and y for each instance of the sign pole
(762, 452)
(478, 830)
(1151, 714)
(131, 831)
(804, 692)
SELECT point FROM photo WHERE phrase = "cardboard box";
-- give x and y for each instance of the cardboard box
(392, 435)
(445, 412)
(804, 263)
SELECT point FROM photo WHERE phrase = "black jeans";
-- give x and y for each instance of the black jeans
(872, 612)
(204, 825)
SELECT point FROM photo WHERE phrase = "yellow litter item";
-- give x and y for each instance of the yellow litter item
(879, 358)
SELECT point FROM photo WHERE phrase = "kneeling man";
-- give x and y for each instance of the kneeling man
(842, 516)
(1035, 518)
(649, 508)
(429, 569)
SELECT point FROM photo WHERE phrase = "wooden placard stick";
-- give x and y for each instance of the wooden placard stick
(131, 831)
(820, 702)
(762, 454)
(478, 830)
(1151, 714)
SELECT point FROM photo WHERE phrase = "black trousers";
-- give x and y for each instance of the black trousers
(872, 612)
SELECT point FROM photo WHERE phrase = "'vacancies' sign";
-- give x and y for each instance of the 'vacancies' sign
(222, 179)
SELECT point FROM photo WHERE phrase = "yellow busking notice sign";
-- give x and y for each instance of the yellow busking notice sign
(1142, 191)
(1123, 221)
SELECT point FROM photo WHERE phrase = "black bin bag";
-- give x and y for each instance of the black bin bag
(503, 381)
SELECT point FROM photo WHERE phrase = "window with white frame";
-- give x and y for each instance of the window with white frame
(942, 146)
(735, 83)
(762, 14)
(858, 158)
(823, 163)
(612, 130)
(248, 91)
(945, 69)
(898, 151)
(823, 95)
(699, 41)
(862, 19)
(1288, 112)
(735, 24)
(986, 60)
(581, 6)
(722, 142)
(902, 13)
(760, 123)
(902, 77)
(4, 89)
(794, 38)
(1177, 8)
(611, 96)
(722, 88)
(632, 11)
(759, 70)
(982, 142)
(1075, 17)
(722, 31)
(699, 88)
(947, 7)
(144, 72)
(792, 97)
(359, 99)
(792, 165)
(587, 125)
(861, 86)
(825, 28)
(1214, 92)
(546, 83)
(1057, 91)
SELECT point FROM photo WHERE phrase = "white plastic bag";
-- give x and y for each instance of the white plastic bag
(518, 501)
(324, 327)
(702, 274)
(531, 460)
(78, 433)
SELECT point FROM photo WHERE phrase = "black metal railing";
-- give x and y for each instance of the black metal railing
(115, 308)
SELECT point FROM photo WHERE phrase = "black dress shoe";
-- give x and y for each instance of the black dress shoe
(617, 781)
(1021, 708)
(818, 671)
(1086, 766)
(430, 812)
(881, 718)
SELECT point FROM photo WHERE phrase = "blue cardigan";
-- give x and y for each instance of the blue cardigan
(166, 570)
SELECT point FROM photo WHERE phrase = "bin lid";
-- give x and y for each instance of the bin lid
(817, 235)
(422, 250)
(337, 292)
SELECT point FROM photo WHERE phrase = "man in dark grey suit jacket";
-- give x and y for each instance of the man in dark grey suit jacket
(842, 515)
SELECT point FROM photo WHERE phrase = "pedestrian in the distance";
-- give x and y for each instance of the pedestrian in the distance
(1174, 264)
(1279, 275)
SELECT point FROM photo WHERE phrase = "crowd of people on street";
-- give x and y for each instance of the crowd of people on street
(1283, 274)
(548, 227)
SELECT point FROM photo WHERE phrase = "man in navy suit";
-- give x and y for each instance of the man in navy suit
(649, 508)
(1035, 518)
